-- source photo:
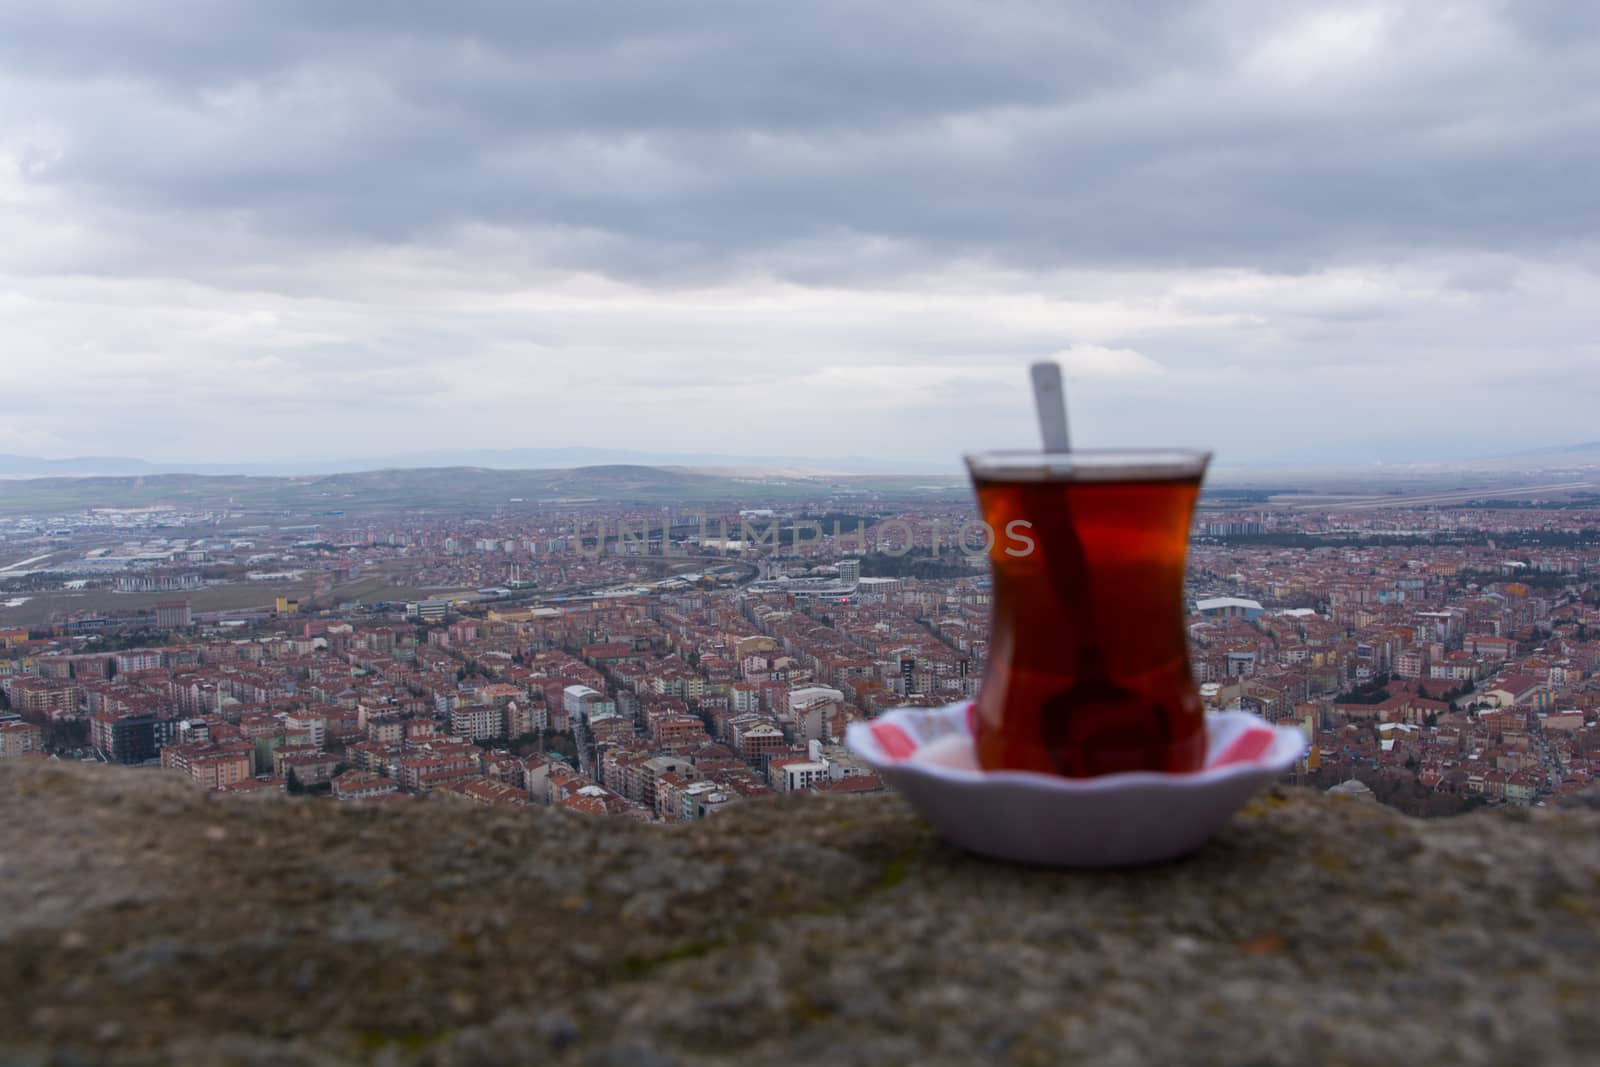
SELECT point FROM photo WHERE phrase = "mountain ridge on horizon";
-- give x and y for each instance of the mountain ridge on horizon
(436, 488)
(13, 465)
(568, 458)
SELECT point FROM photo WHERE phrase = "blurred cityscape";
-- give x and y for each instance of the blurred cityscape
(1441, 651)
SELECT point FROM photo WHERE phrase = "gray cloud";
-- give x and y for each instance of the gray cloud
(717, 198)
(1035, 133)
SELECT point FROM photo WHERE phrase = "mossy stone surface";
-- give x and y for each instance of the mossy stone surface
(143, 921)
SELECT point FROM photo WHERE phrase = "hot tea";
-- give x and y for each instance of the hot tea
(1088, 669)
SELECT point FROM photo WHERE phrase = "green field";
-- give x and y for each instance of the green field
(372, 590)
(445, 488)
(58, 604)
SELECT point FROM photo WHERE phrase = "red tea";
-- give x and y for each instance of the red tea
(1088, 669)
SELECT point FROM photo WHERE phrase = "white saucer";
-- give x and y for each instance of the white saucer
(1111, 821)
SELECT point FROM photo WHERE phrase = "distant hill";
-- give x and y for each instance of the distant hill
(512, 459)
(439, 486)
(13, 466)
(446, 488)
(1586, 449)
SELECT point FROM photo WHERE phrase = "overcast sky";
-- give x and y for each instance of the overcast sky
(231, 230)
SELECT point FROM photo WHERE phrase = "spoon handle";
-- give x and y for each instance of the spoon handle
(1051, 402)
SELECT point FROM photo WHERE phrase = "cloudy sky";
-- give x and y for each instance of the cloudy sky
(238, 229)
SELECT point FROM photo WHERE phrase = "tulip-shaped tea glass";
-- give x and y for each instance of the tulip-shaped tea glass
(1088, 667)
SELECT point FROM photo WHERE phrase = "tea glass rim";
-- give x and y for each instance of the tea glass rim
(1089, 464)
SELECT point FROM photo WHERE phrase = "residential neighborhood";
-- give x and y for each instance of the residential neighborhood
(1442, 658)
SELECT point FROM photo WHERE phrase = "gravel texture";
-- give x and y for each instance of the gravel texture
(142, 921)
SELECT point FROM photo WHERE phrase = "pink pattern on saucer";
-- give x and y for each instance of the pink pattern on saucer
(1113, 820)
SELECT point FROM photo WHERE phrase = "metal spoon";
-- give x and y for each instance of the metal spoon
(1092, 714)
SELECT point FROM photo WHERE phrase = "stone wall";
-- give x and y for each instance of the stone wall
(143, 921)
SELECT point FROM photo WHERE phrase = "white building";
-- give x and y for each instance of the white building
(1229, 607)
(801, 774)
(478, 721)
(315, 725)
(580, 702)
(428, 610)
(815, 709)
(701, 799)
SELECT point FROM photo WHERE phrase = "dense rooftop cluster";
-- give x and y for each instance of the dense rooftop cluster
(626, 661)
(1460, 659)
